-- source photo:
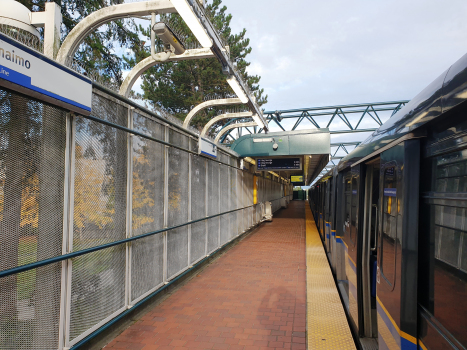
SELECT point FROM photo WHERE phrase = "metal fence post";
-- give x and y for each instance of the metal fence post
(62, 332)
(219, 203)
(129, 209)
(206, 212)
(166, 201)
(190, 159)
(69, 206)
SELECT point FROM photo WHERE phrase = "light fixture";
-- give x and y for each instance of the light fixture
(238, 90)
(169, 38)
(192, 21)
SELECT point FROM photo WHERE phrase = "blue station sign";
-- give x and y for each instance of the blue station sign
(29, 72)
(207, 147)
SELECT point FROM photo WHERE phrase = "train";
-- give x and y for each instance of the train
(392, 218)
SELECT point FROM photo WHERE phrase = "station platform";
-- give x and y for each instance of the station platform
(272, 290)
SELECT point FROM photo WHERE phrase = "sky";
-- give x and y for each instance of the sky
(316, 53)
(313, 53)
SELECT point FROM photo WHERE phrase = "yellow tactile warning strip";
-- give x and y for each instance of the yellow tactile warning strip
(326, 322)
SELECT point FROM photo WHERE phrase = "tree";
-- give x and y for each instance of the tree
(96, 53)
(179, 86)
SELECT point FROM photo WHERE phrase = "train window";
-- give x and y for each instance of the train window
(448, 225)
(447, 275)
(464, 252)
(451, 173)
(391, 208)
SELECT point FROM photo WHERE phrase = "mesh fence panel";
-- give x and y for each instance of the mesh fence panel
(240, 213)
(32, 187)
(177, 251)
(32, 155)
(233, 203)
(148, 177)
(223, 157)
(248, 197)
(109, 109)
(97, 288)
(147, 207)
(224, 203)
(213, 205)
(100, 184)
(30, 309)
(177, 240)
(198, 208)
(147, 262)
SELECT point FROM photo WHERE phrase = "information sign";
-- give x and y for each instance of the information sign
(263, 164)
(296, 178)
(207, 147)
(27, 71)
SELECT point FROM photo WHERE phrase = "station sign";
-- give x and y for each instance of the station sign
(29, 72)
(207, 147)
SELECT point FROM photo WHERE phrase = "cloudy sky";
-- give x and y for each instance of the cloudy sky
(315, 53)
(323, 53)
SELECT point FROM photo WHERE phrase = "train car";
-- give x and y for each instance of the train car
(392, 216)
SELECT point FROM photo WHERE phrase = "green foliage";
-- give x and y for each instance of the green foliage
(100, 50)
(173, 86)
(179, 86)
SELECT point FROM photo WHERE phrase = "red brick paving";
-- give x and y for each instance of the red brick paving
(251, 298)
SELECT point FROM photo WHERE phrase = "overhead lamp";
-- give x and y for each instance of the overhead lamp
(169, 38)
(192, 21)
(238, 90)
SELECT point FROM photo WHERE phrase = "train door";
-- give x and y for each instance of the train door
(396, 276)
(333, 224)
(351, 242)
(322, 223)
(321, 210)
(328, 215)
(369, 251)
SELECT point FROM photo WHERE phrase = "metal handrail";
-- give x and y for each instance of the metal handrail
(67, 256)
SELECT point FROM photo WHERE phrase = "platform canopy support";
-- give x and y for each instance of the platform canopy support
(103, 16)
(224, 116)
(233, 126)
(207, 104)
(149, 62)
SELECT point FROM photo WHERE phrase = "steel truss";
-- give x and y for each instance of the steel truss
(327, 117)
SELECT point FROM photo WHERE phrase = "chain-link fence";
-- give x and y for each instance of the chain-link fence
(98, 213)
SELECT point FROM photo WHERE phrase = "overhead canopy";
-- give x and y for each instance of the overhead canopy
(311, 147)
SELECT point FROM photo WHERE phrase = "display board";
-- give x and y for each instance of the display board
(263, 164)
(297, 178)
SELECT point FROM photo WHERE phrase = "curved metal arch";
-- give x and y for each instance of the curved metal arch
(105, 15)
(233, 126)
(149, 62)
(224, 116)
(231, 121)
(207, 104)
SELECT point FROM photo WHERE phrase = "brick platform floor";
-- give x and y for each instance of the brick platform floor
(251, 298)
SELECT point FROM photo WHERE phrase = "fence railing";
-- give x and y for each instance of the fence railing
(97, 213)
